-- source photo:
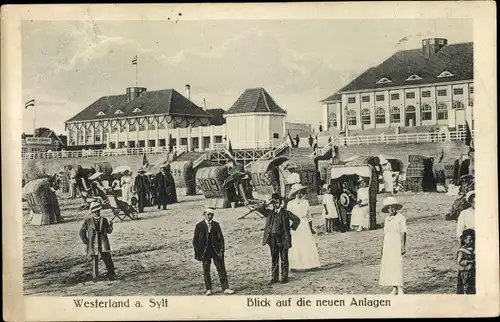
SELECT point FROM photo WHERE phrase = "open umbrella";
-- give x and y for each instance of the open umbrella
(233, 178)
(121, 169)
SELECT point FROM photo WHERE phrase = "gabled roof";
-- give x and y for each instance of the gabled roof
(160, 102)
(255, 100)
(333, 98)
(455, 58)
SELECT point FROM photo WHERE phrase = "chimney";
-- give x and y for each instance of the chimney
(134, 92)
(188, 91)
(432, 46)
(204, 104)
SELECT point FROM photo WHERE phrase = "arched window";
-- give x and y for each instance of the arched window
(426, 112)
(152, 126)
(161, 126)
(380, 116)
(442, 111)
(332, 119)
(365, 116)
(458, 105)
(132, 127)
(395, 114)
(410, 109)
(351, 117)
(142, 127)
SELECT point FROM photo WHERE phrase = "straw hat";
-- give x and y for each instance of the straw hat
(469, 195)
(344, 199)
(95, 206)
(209, 210)
(391, 201)
(95, 175)
(296, 188)
(382, 159)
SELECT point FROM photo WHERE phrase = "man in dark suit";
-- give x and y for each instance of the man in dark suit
(277, 235)
(208, 243)
(160, 185)
(141, 186)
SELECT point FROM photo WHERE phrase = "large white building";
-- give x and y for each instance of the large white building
(141, 118)
(432, 85)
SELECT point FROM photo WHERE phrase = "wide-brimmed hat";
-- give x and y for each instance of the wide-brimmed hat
(141, 170)
(95, 175)
(344, 199)
(382, 160)
(275, 196)
(95, 206)
(469, 195)
(290, 165)
(391, 201)
(296, 188)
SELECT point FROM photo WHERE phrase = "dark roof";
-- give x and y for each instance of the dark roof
(456, 59)
(166, 101)
(255, 100)
(217, 116)
(333, 98)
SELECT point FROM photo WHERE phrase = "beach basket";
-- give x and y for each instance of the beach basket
(211, 179)
(415, 159)
(414, 184)
(32, 171)
(42, 202)
(264, 180)
(184, 176)
(309, 176)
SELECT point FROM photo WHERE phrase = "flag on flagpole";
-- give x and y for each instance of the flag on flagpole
(290, 140)
(469, 141)
(229, 151)
(134, 60)
(29, 103)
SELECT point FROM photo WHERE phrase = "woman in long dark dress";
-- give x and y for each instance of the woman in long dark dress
(171, 191)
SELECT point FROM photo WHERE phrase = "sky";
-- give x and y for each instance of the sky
(67, 65)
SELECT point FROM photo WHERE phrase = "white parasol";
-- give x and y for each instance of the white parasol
(121, 169)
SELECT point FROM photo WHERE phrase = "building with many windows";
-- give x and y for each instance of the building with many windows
(141, 118)
(431, 86)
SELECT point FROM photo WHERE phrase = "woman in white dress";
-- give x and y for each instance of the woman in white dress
(387, 175)
(304, 253)
(360, 217)
(391, 267)
(126, 184)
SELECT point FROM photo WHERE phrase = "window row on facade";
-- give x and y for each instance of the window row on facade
(395, 114)
(408, 95)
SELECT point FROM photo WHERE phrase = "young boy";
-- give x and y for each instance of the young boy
(94, 234)
(466, 259)
(329, 209)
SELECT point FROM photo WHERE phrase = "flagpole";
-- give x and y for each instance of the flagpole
(34, 120)
(136, 73)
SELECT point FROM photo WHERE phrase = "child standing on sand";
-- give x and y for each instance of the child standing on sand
(466, 259)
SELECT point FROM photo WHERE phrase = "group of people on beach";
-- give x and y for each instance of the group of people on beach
(289, 233)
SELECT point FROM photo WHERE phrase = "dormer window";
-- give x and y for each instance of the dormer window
(137, 110)
(101, 113)
(384, 80)
(118, 112)
(445, 74)
(413, 77)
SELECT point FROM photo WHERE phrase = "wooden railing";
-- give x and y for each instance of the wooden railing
(270, 154)
(99, 153)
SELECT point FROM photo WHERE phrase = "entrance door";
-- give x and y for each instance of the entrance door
(410, 116)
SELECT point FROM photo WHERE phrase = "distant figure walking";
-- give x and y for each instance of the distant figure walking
(141, 186)
(297, 141)
(160, 183)
(321, 128)
(310, 140)
(126, 184)
(208, 243)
